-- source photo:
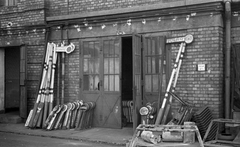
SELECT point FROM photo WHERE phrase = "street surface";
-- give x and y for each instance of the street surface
(18, 140)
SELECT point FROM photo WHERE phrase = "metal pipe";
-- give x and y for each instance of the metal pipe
(227, 56)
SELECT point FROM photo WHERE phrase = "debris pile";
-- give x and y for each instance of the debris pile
(147, 135)
(128, 110)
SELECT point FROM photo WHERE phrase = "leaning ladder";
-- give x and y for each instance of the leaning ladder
(162, 115)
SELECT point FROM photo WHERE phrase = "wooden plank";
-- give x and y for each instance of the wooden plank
(137, 79)
(23, 77)
(2, 79)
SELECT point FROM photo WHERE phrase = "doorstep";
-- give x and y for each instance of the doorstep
(12, 118)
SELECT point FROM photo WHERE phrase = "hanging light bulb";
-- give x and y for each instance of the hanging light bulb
(193, 14)
(79, 29)
(174, 18)
(188, 17)
(115, 24)
(211, 14)
(117, 33)
(103, 26)
(35, 31)
(85, 22)
(144, 21)
(129, 22)
(59, 27)
(76, 26)
(159, 19)
(90, 27)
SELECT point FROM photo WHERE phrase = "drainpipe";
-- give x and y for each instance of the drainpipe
(227, 56)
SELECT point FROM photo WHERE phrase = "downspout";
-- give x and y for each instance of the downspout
(227, 56)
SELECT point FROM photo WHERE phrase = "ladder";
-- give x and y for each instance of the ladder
(166, 104)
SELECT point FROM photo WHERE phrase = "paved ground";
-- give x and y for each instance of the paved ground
(99, 135)
(102, 136)
(18, 140)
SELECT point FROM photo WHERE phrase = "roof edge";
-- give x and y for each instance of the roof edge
(130, 9)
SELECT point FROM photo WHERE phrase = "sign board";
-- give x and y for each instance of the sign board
(201, 67)
(67, 49)
(187, 39)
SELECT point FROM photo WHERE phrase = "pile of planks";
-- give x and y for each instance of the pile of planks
(44, 102)
(78, 115)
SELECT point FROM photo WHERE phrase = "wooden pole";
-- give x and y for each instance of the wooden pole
(58, 79)
(48, 80)
(161, 111)
(178, 62)
(52, 78)
(40, 89)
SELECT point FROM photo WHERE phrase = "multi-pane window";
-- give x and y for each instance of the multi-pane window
(95, 74)
(111, 59)
(8, 2)
(153, 65)
(91, 61)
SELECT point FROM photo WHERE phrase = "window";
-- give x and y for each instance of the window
(101, 65)
(91, 65)
(111, 55)
(8, 2)
(153, 65)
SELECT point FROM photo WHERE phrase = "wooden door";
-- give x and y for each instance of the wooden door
(23, 86)
(111, 98)
(100, 79)
(90, 74)
(154, 69)
(137, 79)
(2, 79)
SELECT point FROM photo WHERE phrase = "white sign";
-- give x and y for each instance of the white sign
(187, 39)
(201, 67)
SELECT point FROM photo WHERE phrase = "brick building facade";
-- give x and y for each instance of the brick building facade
(98, 22)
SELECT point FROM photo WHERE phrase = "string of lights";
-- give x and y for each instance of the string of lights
(86, 25)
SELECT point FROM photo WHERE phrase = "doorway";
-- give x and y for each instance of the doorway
(127, 84)
(12, 79)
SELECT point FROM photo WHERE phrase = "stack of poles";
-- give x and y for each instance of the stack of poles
(164, 110)
(76, 115)
(44, 102)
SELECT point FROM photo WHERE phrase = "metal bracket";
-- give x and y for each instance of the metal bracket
(67, 49)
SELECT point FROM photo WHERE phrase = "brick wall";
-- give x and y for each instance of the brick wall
(24, 18)
(64, 7)
(202, 87)
(72, 74)
(235, 35)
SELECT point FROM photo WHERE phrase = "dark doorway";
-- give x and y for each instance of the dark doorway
(127, 78)
(12, 79)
